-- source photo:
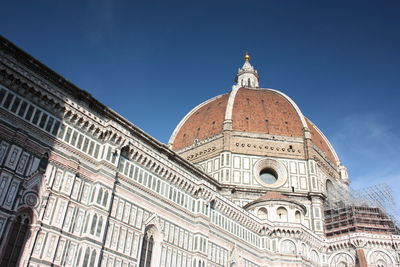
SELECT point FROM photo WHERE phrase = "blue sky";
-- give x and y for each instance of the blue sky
(152, 61)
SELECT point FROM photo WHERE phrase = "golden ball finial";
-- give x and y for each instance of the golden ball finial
(246, 56)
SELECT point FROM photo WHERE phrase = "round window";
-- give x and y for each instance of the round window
(268, 176)
(270, 173)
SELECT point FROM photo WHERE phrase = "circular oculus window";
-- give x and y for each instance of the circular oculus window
(268, 176)
(270, 173)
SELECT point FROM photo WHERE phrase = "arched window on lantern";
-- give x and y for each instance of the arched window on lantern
(16, 241)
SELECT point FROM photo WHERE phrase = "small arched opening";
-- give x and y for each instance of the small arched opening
(288, 247)
(262, 213)
(281, 213)
(297, 217)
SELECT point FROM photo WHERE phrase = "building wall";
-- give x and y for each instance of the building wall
(90, 185)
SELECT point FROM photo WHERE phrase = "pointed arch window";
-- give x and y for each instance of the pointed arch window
(78, 258)
(16, 241)
(90, 258)
(99, 196)
(93, 193)
(93, 258)
(105, 198)
(86, 259)
(94, 224)
(147, 250)
(99, 226)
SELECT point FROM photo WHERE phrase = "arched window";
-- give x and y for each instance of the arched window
(43, 162)
(99, 226)
(92, 197)
(304, 250)
(16, 240)
(282, 214)
(86, 223)
(147, 250)
(314, 257)
(93, 258)
(297, 217)
(262, 213)
(78, 258)
(329, 187)
(288, 247)
(94, 222)
(105, 199)
(90, 254)
(99, 196)
(86, 259)
(125, 152)
(380, 259)
(248, 82)
(342, 260)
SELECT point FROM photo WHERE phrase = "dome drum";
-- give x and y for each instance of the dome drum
(263, 144)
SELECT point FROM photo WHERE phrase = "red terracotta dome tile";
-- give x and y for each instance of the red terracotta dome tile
(261, 111)
(204, 122)
(319, 140)
(265, 111)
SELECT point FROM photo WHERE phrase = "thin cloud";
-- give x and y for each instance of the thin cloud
(368, 146)
(100, 21)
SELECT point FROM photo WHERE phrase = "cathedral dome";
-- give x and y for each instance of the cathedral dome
(253, 112)
(250, 110)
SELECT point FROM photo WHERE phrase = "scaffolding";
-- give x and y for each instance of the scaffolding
(370, 210)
